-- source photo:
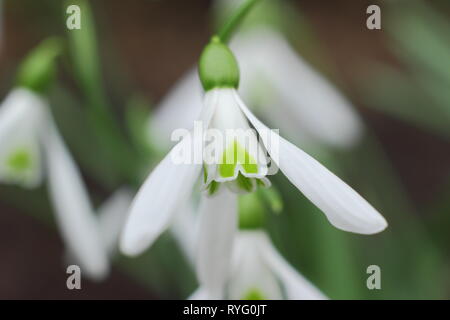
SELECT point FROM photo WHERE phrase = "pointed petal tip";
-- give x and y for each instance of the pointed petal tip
(376, 225)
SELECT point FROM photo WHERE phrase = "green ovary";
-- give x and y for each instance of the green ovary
(253, 294)
(19, 161)
(232, 156)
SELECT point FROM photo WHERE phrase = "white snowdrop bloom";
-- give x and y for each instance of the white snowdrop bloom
(308, 106)
(31, 149)
(259, 272)
(171, 183)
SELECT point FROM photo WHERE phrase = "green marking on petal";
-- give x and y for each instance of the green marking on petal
(232, 156)
(20, 160)
(254, 294)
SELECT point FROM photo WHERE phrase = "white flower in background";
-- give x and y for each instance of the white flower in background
(248, 266)
(257, 272)
(285, 89)
(260, 272)
(31, 149)
(170, 184)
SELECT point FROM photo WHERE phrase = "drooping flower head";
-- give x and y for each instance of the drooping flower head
(32, 150)
(240, 164)
(246, 266)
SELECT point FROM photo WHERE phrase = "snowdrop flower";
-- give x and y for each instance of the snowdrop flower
(309, 107)
(248, 266)
(259, 272)
(32, 149)
(170, 183)
(113, 212)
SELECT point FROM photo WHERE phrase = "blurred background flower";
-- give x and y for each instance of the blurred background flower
(127, 57)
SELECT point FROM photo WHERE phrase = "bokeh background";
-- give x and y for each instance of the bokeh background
(398, 78)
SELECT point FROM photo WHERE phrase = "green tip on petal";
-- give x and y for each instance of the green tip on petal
(254, 294)
(38, 69)
(251, 212)
(218, 67)
(235, 154)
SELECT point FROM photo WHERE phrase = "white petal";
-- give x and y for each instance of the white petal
(250, 273)
(296, 286)
(74, 213)
(178, 109)
(303, 94)
(218, 223)
(343, 206)
(152, 209)
(21, 119)
(112, 215)
(168, 186)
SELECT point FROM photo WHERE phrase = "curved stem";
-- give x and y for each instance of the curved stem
(230, 25)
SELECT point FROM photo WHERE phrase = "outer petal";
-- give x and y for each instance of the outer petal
(178, 109)
(112, 215)
(302, 93)
(343, 206)
(168, 186)
(21, 118)
(296, 286)
(74, 213)
(250, 274)
(152, 209)
(218, 223)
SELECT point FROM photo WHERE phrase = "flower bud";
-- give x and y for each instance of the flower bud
(218, 67)
(251, 212)
(38, 69)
